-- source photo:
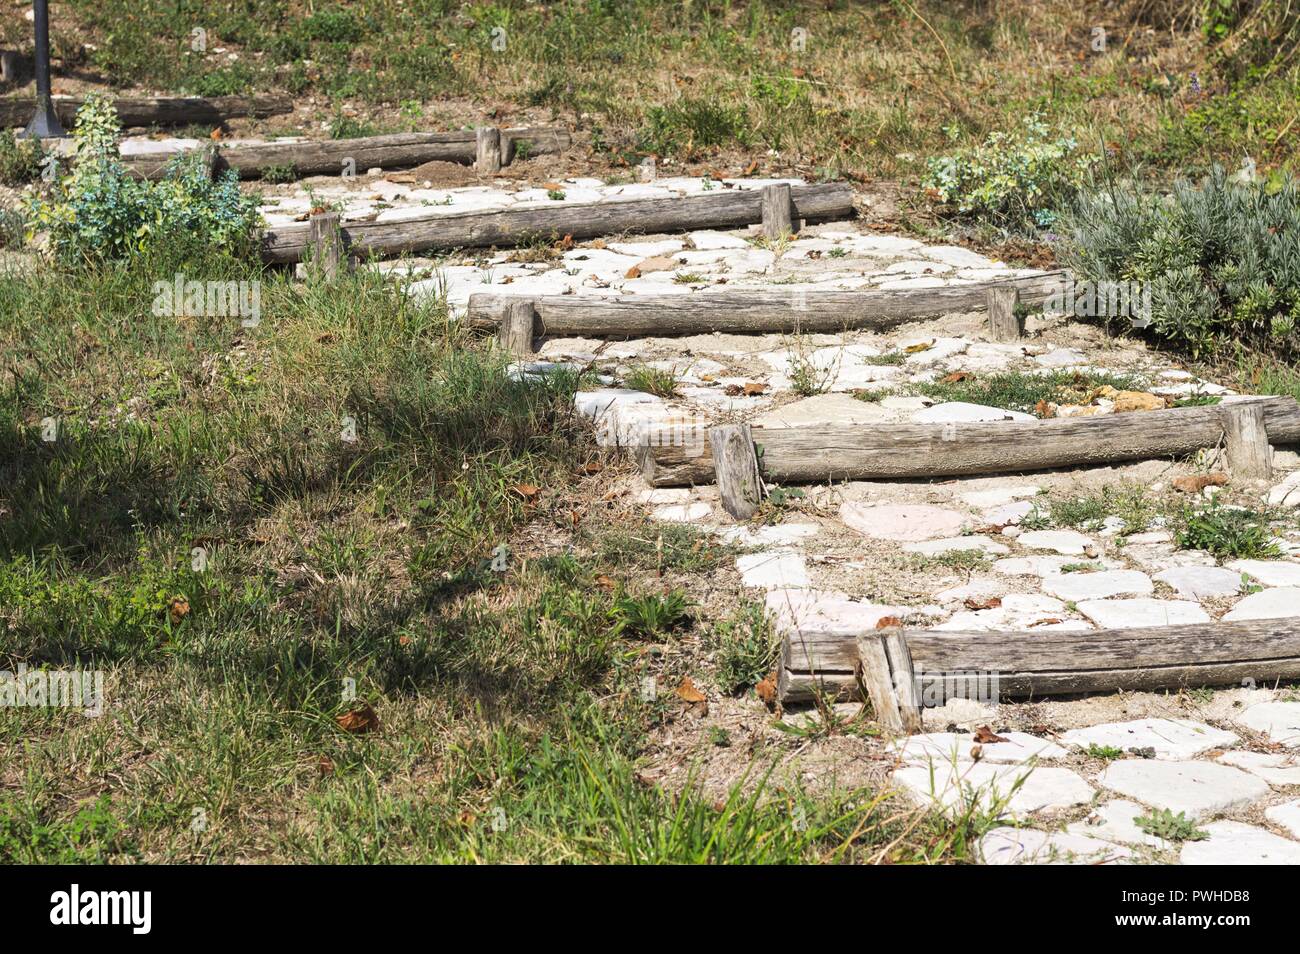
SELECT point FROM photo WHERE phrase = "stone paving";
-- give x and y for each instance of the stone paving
(841, 562)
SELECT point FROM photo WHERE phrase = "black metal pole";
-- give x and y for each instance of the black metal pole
(45, 124)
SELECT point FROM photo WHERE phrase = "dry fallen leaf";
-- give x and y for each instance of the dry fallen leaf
(178, 608)
(359, 720)
(527, 491)
(955, 377)
(991, 603)
(325, 766)
(1198, 482)
(632, 272)
(606, 583)
(589, 468)
(753, 387)
(766, 689)
(888, 622)
(918, 347)
(1044, 409)
(688, 692)
(985, 736)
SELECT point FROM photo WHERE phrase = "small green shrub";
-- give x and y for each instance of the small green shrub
(98, 212)
(652, 615)
(1227, 532)
(744, 648)
(20, 159)
(1019, 180)
(691, 124)
(1163, 823)
(1222, 259)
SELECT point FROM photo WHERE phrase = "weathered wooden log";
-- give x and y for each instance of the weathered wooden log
(776, 211)
(1004, 323)
(1245, 435)
(825, 452)
(739, 482)
(517, 329)
(156, 111)
(327, 246)
(487, 150)
(332, 157)
(788, 309)
(1029, 663)
(726, 209)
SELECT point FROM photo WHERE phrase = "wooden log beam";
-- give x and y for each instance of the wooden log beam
(787, 309)
(331, 157)
(1029, 663)
(891, 451)
(726, 209)
(739, 480)
(156, 111)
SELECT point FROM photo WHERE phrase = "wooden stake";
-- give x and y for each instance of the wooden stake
(488, 150)
(903, 676)
(1246, 441)
(739, 480)
(1004, 324)
(326, 240)
(516, 333)
(776, 211)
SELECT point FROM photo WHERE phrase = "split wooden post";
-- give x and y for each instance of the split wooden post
(777, 206)
(516, 332)
(740, 482)
(487, 151)
(885, 672)
(326, 240)
(1246, 441)
(1004, 324)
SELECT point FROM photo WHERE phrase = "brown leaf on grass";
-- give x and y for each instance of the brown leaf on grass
(955, 377)
(986, 736)
(688, 692)
(216, 134)
(991, 603)
(766, 689)
(888, 622)
(1198, 482)
(1044, 409)
(528, 492)
(589, 468)
(359, 720)
(325, 766)
(751, 168)
(606, 583)
(178, 608)
(565, 244)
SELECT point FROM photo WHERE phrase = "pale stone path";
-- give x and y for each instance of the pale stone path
(857, 552)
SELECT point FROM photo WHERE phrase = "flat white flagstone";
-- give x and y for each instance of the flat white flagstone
(1287, 493)
(805, 611)
(1028, 846)
(957, 256)
(1286, 815)
(1195, 788)
(1068, 542)
(1202, 582)
(976, 589)
(940, 349)
(903, 402)
(644, 250)
(960, 412)
(1034, 566)
(1061, 358)
(998, 496)
(1018, 749)
(773, 570)
(1276, 603)
(781, 534)
(1275, 768)
(1269, 572)
(1171, 738)
(1115, 821)
(957, 545)
(903, 522)
(682, 513)
(1008, 515)
(822, 409)
(1131, 614)
(1097, 586)
(1232, 843)
(1280, 721)
(987, 787)
(664, 495)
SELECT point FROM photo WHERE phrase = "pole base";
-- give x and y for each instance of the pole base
(45, 124)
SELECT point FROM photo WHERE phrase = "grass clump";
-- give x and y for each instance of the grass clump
(657, 381)
(744, 648)
(1227, 532)
(1015, 391)
(1163, 823)
(20, 159)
